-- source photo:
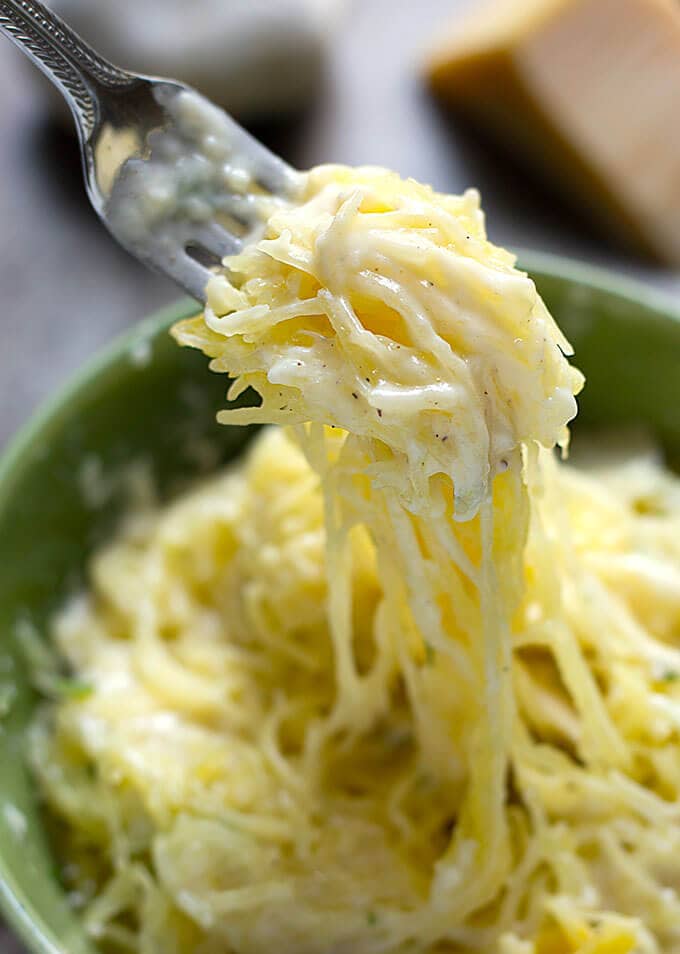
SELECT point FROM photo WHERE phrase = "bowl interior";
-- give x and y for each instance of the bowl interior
(62, 486)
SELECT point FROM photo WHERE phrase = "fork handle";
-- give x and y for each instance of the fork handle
(72, 65)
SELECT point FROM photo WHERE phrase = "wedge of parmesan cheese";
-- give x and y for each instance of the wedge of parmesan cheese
(587, 89)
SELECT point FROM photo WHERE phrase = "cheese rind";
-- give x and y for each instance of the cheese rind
(590, 91)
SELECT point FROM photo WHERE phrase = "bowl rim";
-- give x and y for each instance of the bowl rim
(13, 457)
(48, 412)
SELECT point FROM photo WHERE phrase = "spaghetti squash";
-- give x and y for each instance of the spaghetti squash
(399, 680)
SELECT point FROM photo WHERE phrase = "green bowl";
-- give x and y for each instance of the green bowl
(146, 399)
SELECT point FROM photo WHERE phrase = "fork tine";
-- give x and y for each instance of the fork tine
(269, 171)
(216, 240)
(243, 210)
(186, 271)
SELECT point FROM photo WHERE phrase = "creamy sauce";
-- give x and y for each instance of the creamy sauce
(440, 348)
(202, 171)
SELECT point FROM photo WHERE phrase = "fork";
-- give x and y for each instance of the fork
(175, 180)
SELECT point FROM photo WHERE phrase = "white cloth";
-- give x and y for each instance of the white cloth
(256, 58)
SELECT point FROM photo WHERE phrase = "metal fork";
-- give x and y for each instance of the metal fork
(175, 180)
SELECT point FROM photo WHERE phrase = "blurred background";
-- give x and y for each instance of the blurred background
(563, 115)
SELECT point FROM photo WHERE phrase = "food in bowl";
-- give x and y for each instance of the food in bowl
(399, 679)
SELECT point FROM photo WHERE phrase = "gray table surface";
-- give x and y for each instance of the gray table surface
(67, 289)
